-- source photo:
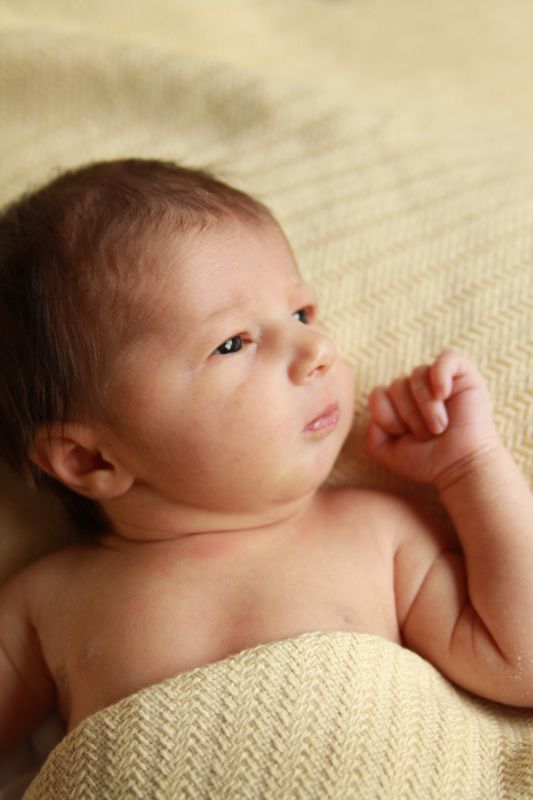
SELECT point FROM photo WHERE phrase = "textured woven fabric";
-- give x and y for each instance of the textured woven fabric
(324, 715)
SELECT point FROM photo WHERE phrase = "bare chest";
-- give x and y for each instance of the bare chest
(159, 618)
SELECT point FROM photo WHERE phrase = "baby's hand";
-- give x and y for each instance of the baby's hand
(432, 425)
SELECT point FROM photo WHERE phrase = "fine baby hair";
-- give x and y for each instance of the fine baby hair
(76, 259)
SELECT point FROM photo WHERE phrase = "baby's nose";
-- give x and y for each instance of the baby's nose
(314, 355)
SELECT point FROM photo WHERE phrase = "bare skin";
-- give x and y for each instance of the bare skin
(116, 617)
(255, 551)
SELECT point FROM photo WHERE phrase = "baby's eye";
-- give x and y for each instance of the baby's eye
(232, 345)
(303, 315)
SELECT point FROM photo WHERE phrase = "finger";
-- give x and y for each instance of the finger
(448, 365)
(376, 440)
(406, 407)
(383, 412)
(432, 410)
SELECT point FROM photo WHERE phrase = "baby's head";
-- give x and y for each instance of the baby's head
(144, 341)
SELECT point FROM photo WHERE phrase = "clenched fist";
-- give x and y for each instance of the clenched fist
(433, 425)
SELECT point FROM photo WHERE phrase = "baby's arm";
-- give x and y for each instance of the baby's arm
(27, 691)
(470, 613)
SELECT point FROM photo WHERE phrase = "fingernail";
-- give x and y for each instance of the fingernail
(439, 424)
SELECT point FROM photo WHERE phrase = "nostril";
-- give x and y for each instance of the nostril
(317, 370)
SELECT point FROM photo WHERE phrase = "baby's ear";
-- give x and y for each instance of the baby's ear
(74, 454)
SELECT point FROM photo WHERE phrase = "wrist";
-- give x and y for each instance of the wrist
(471, 468)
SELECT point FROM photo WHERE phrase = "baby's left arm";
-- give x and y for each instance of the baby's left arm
(470, 613)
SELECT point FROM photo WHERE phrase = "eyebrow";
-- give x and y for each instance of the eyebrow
(235, 307)
(222, 312)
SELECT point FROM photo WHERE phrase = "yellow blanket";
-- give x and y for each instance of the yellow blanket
(324, 715)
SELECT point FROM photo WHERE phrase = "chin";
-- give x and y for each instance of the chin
(325, 458)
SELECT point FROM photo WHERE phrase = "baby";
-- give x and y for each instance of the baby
(164, 370)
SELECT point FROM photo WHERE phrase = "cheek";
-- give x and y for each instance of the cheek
(248, 425)
(242, 397)
(345, 377)
(245, 423)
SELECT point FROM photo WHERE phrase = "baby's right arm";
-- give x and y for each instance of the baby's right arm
(27, 690)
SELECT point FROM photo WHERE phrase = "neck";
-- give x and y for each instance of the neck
(139, 520)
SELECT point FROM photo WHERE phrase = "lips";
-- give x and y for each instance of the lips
(327, 419)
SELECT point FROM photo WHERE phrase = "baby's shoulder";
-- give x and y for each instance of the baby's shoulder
(382, 514)
(49, 574)
(375, 504)
(55, 561)
(22, 599)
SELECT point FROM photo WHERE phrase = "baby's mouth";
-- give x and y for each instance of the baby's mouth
(326, 420)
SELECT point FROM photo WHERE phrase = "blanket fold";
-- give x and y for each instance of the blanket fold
(322, 715)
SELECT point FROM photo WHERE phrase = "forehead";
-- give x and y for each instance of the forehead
(239, 249)
(226, 263)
